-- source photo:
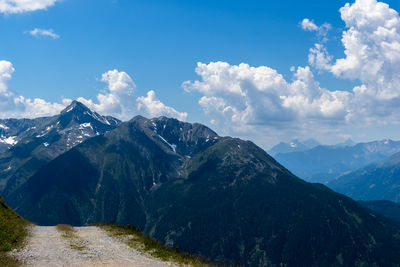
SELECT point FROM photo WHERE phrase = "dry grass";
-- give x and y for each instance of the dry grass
(7, 261)
(69, 233)
(65, 228)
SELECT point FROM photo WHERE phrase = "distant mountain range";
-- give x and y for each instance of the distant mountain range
(293, 146)
(220, 197)
(325, 163)
(377, 181)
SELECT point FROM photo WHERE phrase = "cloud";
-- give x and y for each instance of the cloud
(14, 105)
(372, 57)
(322, 31)
(43, 33)
(308, 25)
(120, 101)
(151, 106)
(372, 45)
(319, 57)
(20, 6)
(246, 98)
(260, 100)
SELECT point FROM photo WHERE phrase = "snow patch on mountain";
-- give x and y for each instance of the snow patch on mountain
(12, 140)
(69, 109)
(85, 125)
(2, 126)
(172, 146)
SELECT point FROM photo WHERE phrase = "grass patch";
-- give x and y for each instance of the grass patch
(136, 239)
(67, 230)
(78, 247)
(13, 231)
(69, 233)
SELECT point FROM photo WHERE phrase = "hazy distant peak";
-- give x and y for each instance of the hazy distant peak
(294, 146)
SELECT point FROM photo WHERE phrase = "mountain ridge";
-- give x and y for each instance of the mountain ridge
(386, 208)
(220, 197)
(39, 144)
(377, 181)
(293, 146)
(324, 163)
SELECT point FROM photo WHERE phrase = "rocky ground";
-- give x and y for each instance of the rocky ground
(91, 246)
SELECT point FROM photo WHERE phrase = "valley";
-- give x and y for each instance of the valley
(325, 163)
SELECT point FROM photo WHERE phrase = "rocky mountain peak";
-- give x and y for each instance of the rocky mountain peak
(183, 138)
(35, 142)
(75, 105)
(79, 113)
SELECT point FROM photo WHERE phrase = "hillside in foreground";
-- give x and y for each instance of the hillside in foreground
(12, 233)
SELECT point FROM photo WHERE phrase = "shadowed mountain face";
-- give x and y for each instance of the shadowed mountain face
(378, 181)
(323, 164)
(220, 197)
(45, 139)
(385, 208)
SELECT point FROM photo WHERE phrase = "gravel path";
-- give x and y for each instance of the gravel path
(46, 247)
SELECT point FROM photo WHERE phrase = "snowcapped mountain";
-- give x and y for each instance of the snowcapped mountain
(12, 129)
(72, 126)
(293, 146)
(33, 143)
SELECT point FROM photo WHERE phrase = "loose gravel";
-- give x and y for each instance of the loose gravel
(46, 247)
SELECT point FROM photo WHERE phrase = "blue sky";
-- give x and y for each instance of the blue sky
(158, 44)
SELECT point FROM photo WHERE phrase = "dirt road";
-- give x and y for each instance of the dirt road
(47, 247)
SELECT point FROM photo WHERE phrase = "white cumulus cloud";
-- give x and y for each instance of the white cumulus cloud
(308, 25)
(372, 45)
(43, 33)
(372, 57)
(120, 101)
(322, 31)
(151, 106)
(245, 98)
(20, 6)
(14, 105)
(117, 100)
(319, 57)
